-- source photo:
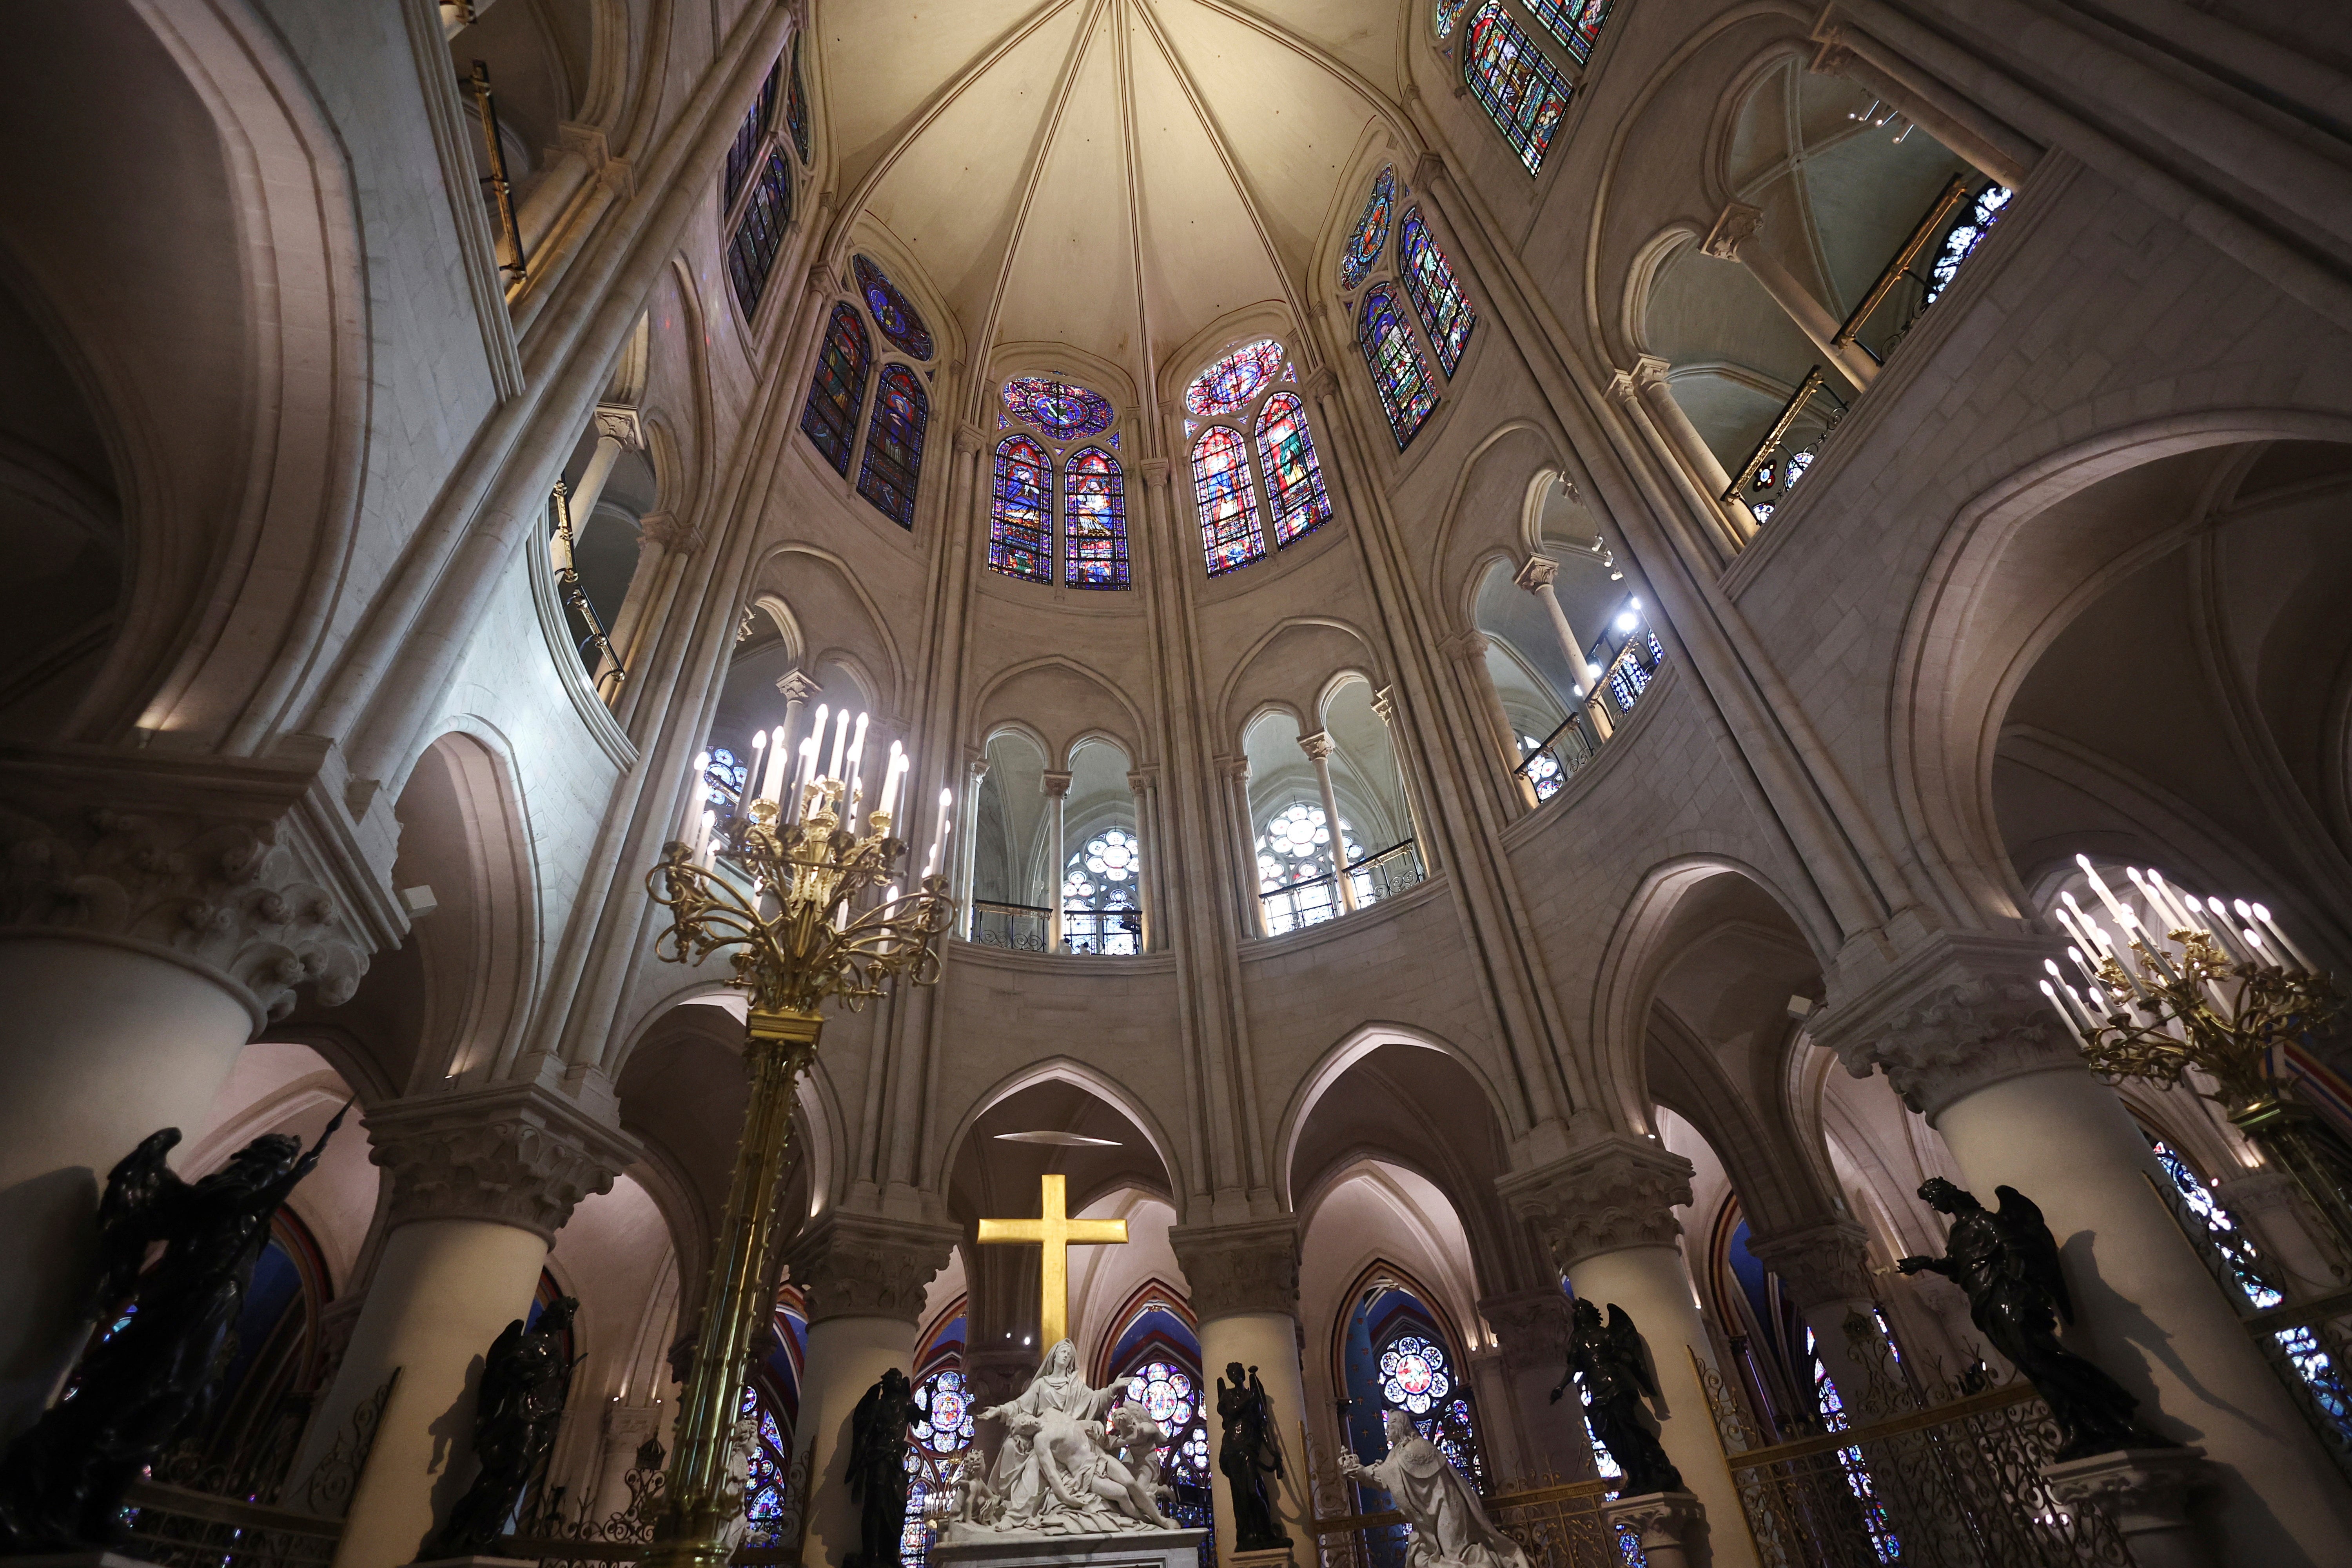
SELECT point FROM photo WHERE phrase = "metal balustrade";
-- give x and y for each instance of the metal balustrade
(1314, 900)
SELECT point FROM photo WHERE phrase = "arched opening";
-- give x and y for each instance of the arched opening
(1014, 851)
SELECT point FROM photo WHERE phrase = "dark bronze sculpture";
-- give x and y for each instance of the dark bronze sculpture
(1246, 1456)
(150, 1378)
(1614, 1365)
(877, 1470)
(2007, 1262)
(524, 1381)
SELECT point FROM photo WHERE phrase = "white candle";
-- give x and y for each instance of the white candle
(840, 743)
(891, 778)
(694, 789)
(769, 768)
(2115, 907)
(2292, 952)
(703, 848)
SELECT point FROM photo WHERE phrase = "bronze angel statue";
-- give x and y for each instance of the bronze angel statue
(525, 1379)
(1614, 1365)
(150, 1378)
(2007, 1262)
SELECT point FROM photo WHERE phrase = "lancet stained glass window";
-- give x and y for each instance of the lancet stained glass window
(746, 149)
(1229, 534)
(796, 116)
(893, 312)
(1443, 15)
(759, 234)
(1292, 474)
(1058, 408)
(1020, 519)
(1372, 235)
(1439, 299)
(766, 1488)
(830, 420)
(1094, 521)
(1857, 1475)
(894, 446)
(1233, 381)
(1394, 359)
(1575, 23)
(1522, 91)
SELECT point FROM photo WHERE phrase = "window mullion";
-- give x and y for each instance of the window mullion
(1562, 58)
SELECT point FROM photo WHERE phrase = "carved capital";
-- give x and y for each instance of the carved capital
(2145, 1491)
(1464, 647)
(1318, 746)
(1531, 1327)
(1385, 704)
(1323, 383)
(1539, 573)
(1959, 1016)
(1232, 1269)
(852, 1264)
(1428, 170)
(514, 1154)
(1054, 782)
(1657, 1520)
(1736, 225)
(1832, 58)
(618, 421)
(1233, 770)
(673, 534)
(1155, 471)
(795, 686)
(1142, 781)
(1617, 1192)
(1821, 1263)
(252, 872)
(969, 438)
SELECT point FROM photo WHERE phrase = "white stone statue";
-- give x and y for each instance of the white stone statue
(1449, 1530)
(1060, 1472)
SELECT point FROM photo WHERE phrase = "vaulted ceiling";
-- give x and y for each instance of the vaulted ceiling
(1113, 174)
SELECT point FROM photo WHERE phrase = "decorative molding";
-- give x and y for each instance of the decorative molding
(1318, 746)
(1235, 769)
(795, 686)
(1234, 1269)
(1820, 1264)
(1464, 647)
(454, 141)
(1539, 573)
(1618, 1192)
(1323, 382)
(672, 533)
(1055, 782)
(851, 1265)
(969, 437)
(618, 421)
(1736, 225)
(1155, 471)
(1531, 1327)
(515, 1155)
(1143, 780)
(1663, 1522)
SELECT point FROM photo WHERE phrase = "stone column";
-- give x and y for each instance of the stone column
(664, 542)
(1965, 1036)
(1538, 577)
(616, 430)
(481, 1181)
(1607, 1211)
(155, 912)
(797, 688)
(1532, 1327)
(863, 1276)
(1242, 1283)
(1057, 795)
(1734, 238)
(1468, 652)
(1318, 747)
(1952, 119)
(1385, 704)
(975, 774)
(1825, 1269)
(1143, 784)
(1235, 771)
(1649, 404)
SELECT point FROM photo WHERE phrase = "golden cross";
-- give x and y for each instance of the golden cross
(1058, 1232)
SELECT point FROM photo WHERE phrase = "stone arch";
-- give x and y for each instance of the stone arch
(1085, 1076)
(1079, 700)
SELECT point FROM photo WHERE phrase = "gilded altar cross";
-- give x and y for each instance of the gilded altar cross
(1057, 1233)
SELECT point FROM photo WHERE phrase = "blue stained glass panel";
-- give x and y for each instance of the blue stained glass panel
(1093, 513)
(893, 312)
(1058, 408)
(1227, 496)
(746, 148)
(796, 116)
(894, 446)
(1523, 92)
(1443, 15)
(1394, 359)
(1575, 23)
(830, 420)
(1287, 451)
(759, 234)
(1372, 235)
(1439, 299)
(1020, 518)
(1233, 381)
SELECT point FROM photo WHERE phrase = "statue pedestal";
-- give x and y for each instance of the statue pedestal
(1265, 1557)
(1129, 1549)
(2146, 1491)
(1670, 1526)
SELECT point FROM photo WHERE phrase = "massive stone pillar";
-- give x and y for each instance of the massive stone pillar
(863, 1276)
(1243, 1281)
(1607, 1211)
(480, 1181)
(1531, 1326)
(155, 915)
(1966, 1039)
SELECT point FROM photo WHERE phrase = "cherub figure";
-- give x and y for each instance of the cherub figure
(973, 1503)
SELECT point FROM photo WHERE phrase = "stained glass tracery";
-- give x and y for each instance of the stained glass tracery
(1443, 15)
(1060, 409)
(745, 151)
(1020, 518)
(893, 312)
(1094, 518)
(830, 420)
(1394, 359)
(1430, 280)
(765, 1493)
(1227, 496)
(796, 116)
(894, 444)
(1416, 1378)
(1168, 1396)
(1371, 234)
(1230, 383)
(759, 233)
(941, 1430)
(1520, 90)
(1575, 23)
(1293, 476)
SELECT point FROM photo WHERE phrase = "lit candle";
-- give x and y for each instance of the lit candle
(2301, 961)
(2115, 907)
(2217, 919)
(816, 735)
(805, 777)
(2166, 899)
(771, 782)
(694, 797)
(2056, 1002)
(840, 743)
(704, 850)
(931, 861)
(891, 779)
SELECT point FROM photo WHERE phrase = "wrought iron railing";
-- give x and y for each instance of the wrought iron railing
(1311, 900)
(1103, 933)
(1923, 266)
(558, 1539)
(1776, 464)
(1550, 762)
(606, 666)
(1627, 667)
(1019, 927)
(176, 1527)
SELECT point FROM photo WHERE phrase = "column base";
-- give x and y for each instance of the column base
(1670, 1526)
(2146, 1493)
(1127, 1548)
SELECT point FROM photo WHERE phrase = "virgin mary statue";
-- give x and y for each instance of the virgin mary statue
(1058, 1472)
(1449, 1529)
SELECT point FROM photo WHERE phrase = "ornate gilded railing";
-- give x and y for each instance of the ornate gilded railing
(1311, 900)
(1020, 927)
(1953, 234)
(174, 1527)
(606, 666)
(501, 188)
(1776, 464)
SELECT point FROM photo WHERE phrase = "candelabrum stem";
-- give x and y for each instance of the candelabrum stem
(703, 1498)
(2295, 1139)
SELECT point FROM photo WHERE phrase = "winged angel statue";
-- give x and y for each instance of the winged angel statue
(1614, 1365)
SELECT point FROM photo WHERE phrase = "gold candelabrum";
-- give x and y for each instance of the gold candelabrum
(795, 900)
(2209, 994)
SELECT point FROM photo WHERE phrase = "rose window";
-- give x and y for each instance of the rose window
(1297, 845)
(1413, 1376)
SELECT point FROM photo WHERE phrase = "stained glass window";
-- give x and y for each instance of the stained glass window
(1098, 893)
(766, 1491)
(939, 1431)
(1523, 91)
(1167, 1393)
(1443, 15)
(1961, 242)
(894, 446)
(1857, 1476)
(1227, 496)
(1232, 382)
(1292, 474)
(796, 119)
(1094, 521)
(1297, 846)
(1394, 359)
(1372, 235)
(839, 386)
(1575, 23)
(1435, 294)
(759, 234)
(1061, 410)
(746, 149)
(1416, 1379)
(893, 312)
(1020, 519)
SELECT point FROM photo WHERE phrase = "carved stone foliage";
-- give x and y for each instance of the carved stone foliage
(1826, 1262)
(518, 1156)
(851, 1265)
(1958, 1037)
(1233, 1268)
(1617, 1192)
(1531, 1327)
